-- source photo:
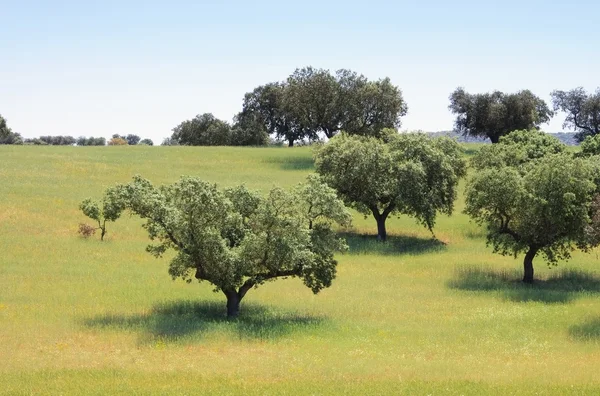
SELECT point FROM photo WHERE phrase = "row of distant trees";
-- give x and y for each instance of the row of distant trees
(7, 136)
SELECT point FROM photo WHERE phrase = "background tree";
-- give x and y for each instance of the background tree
(544, 207)
(409, 174)
(91, 141)
(373, 105)
(53, 140)
(132, 140)
(583, 111)
(266, 104)
(109, 210)
(146, 142)
(202, 130)
(314, 98)
(7, 136)
(249, 130)
(237, 239)
(492, 115)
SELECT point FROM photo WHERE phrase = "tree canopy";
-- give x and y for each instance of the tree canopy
(91, 141)
(266, 105)
(516, 149)
(405, 174)
(202, 130)
(535, 201)
(583, 110)
(237, 239)
(492, 115)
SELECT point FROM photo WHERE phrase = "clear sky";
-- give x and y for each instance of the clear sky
(104, 67)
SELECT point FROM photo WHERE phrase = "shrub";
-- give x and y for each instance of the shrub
(86, 230)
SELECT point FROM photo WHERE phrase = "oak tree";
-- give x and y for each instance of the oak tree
(492, 115)
(236, 239)
(405, 174)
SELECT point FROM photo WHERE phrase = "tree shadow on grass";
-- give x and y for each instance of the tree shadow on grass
(561, 287)
(182, 321)
(293, 162)
(394, 245)
(587, 331)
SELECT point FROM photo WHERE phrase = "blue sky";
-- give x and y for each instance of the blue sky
(72, 68)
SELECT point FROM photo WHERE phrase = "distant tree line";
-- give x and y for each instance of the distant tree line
(315, 103)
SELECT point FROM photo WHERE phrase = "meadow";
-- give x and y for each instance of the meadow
(413, 316)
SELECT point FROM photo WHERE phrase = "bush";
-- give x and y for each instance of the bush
(117, 142)
(86, 230)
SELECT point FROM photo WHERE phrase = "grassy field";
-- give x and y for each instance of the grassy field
(413, 316)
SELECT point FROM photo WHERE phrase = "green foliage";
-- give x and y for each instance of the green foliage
(496, 114)
(146, 142)
(543, 206)
(517, 148)
(590, 146)
(583, 111)
(202, 130)
(236, 239)
(52, 140)
(132, 139)
(91, 141)
(266, 105)
(411, 174)
(248, 130)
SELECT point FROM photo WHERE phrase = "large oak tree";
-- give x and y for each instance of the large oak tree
(236, 239)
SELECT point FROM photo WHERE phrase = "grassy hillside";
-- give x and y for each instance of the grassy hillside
(414, 315)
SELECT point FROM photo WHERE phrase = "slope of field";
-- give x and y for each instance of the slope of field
(414, 315)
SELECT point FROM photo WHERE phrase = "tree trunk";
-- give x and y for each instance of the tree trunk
(103, 233)
(381, 218)
(291, 143)
(528, 265)
(233, 304)
(495, 139)
(381, 232)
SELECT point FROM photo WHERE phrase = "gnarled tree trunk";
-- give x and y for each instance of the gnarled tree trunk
(528, 265)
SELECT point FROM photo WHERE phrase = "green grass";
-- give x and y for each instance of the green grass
(414, 316)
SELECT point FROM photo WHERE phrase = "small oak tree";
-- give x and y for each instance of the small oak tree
(237, 239)
(109, 210)
(408, 174)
